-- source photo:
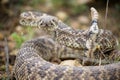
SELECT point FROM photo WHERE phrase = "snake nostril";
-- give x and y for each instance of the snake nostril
(51, 24)
(53, 20)
(41, 23)
(46, 25)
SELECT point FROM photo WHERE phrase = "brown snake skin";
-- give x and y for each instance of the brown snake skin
(32, 63)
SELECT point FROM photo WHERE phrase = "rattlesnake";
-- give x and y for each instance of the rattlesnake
(32, 59)
(65, 35)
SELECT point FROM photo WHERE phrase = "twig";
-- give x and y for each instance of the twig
(106, 13)
(96, 61)
(100, 61)
(7, 58)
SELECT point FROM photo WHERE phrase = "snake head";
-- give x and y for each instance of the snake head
(48, 22)
(44, 21)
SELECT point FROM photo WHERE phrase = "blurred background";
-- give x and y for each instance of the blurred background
(75, 13)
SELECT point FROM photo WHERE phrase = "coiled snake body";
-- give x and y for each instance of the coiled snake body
(32, 59)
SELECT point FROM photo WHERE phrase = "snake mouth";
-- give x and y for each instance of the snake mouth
(47, 28)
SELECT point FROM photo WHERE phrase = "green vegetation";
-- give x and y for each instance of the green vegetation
(79, 9)
(1, 26)
(19, 39)
(36, 2)
(117, 6)
(71, 5)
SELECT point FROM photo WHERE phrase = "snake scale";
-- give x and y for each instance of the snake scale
(32, 58)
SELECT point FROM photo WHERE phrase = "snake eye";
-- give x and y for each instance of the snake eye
(40, 22)
(53, 20)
